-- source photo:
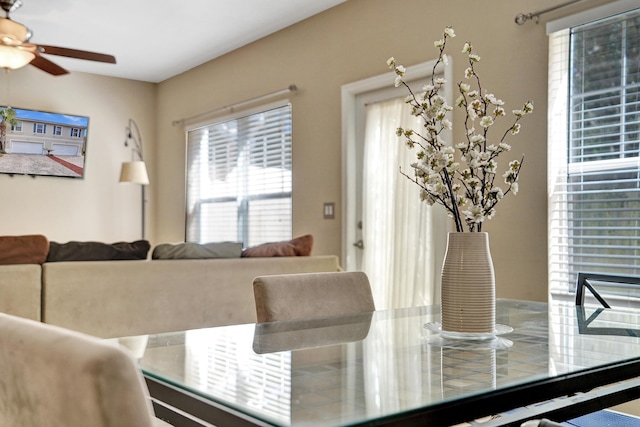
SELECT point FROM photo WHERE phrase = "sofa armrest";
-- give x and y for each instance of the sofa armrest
(20, 290)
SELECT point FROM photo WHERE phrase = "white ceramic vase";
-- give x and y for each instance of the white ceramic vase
(468, 285)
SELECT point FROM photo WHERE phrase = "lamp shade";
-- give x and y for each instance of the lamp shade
(135, 172)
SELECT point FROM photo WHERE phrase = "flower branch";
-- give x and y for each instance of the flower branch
(469, 193)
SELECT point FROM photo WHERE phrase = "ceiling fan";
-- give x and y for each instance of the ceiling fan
(16, 51)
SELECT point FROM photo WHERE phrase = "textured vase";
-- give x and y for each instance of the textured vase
(468, 285)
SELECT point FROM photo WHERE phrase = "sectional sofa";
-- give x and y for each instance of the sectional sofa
(123, 297)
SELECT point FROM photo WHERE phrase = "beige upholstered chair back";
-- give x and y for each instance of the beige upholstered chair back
(53, 377)
(309, 295)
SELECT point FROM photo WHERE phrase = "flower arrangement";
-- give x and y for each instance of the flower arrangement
(468, 193)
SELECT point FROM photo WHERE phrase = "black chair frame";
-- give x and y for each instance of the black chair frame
(584, 281)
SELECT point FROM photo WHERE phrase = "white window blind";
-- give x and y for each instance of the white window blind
(239, 179)
(594, 165)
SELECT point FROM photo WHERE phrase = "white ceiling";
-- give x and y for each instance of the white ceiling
(153, 40)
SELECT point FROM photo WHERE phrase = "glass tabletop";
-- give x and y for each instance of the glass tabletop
(354, 369)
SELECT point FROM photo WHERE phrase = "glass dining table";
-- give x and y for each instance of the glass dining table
(394, 367)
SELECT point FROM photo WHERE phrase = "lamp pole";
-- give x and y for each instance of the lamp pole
(135, 171)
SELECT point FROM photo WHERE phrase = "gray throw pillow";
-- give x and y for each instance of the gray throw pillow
(197, 250)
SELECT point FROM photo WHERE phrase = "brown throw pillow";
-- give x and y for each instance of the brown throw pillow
(97, 251)
(300, 246)
(29, 249)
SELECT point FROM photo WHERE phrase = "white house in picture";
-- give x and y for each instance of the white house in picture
(38, 132)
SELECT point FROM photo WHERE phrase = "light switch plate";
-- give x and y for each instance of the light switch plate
(329, 210)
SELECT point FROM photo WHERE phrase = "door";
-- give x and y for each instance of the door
(65, 150)
(389, 233)
(23, 147)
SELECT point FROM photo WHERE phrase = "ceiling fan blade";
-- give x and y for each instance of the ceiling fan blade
(75, 53)
(48, 66)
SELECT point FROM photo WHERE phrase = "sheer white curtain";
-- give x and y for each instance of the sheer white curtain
(403, 237)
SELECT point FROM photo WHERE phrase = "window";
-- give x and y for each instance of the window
(39, 128)
(594, 149)
(239, 179)
(57, 130)
(76, 132)
(17, 127)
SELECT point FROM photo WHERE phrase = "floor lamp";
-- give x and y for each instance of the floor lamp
(135, 171)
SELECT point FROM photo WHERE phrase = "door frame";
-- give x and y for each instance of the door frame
(349, 101)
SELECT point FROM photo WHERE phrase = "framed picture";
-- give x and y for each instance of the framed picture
(42, 143)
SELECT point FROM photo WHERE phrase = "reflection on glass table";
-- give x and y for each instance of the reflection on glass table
(386, 368)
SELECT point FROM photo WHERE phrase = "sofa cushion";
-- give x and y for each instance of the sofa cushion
(98, 251)
(197, 250)
(300, 246)
(29, 249)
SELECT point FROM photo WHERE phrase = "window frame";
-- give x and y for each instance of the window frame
(236, 115)
(560, 168)
(39, 128)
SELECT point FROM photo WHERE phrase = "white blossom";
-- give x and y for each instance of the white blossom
(514, 187)
(486, 121)
(493, 100)
(528, 107)
(504, 146)
(468, 73)
(474, 214)
(477, 139)
(471, 113)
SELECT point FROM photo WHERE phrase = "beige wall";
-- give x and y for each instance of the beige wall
(96, 207)
(352, 42)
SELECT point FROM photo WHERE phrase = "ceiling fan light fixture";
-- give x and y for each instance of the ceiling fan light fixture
(16, 51)
(14, 57)
(14, 31)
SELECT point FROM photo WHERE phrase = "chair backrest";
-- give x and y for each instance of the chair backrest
(50, 376)
(311, 295)
(616, 288)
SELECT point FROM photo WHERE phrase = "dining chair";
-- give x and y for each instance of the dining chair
(310, 295)
(619, 288)
(620, 291)
(54, 377)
